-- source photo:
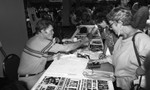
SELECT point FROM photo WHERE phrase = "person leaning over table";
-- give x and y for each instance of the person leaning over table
(108, 36)
(35, 53)
(123, 57)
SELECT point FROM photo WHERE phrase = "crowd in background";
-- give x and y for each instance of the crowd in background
(85, 14)
(115, 22)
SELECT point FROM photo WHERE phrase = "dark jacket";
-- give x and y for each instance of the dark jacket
(140, 18)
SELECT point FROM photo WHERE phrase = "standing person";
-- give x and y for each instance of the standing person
(35, 54)
(108, 36)
(140, 18)
(123, 57)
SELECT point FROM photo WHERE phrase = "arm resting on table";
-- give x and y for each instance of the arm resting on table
(107, 59)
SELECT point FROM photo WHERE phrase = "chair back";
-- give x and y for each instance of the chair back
(2, 50)
(2, 56)
(10, 67)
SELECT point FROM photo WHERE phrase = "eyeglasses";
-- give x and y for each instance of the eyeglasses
(111, 24)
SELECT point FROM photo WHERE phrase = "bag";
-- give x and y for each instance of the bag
(138, 84)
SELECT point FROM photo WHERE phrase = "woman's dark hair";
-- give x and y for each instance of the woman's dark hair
(99, 17)
(42, 24)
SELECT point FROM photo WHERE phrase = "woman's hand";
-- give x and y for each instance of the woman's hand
(107, 59)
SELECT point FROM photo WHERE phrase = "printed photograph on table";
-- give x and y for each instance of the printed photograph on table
(63, 83)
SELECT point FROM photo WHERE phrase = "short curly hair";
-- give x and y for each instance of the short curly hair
(42, 24)
(120, 14)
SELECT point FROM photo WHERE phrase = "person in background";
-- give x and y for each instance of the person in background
(108, 36)
(35, 53)
(73, 18)
(123, 57)
(124, 3)
(86, 19)
(140, 18)
(140, 11)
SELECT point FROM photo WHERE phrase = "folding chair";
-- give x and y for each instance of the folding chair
(10, 67)
(2, 50)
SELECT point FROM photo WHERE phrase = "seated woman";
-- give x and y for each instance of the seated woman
(35, 53)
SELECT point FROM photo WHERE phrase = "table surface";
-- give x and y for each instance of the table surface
(71, 66)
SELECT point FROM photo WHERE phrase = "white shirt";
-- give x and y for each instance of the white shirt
(124, 58)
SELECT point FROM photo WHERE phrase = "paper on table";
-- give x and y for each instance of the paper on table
(59, 69)
(93, 55)
(103, 75)
(68, 65)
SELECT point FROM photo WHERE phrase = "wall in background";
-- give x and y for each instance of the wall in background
(13, 33)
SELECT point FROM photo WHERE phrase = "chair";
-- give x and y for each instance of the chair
(2, 57)
(10, 67)
(2, 50)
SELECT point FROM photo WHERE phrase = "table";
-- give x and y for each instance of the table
(66, 73)
(90, 29)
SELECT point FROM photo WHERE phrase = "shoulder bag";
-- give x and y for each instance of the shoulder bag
(138, 84)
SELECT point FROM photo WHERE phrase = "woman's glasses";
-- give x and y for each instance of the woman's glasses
(111, 24)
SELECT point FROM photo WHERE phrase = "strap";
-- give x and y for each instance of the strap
(137, 56)
(28, 75)
(135, 49)
(3, 52)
